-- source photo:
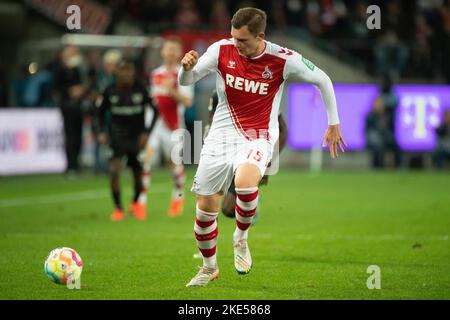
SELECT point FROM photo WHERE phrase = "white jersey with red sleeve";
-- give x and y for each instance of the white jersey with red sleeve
(170, 111)
(250, 89)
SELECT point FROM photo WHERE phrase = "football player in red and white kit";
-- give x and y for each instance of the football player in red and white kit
(250, 76)
(171, 101)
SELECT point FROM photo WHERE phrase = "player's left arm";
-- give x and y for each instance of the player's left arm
(300, 68)
(150, 105)
(103, 104)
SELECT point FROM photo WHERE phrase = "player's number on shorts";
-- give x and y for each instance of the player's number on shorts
(257, 155)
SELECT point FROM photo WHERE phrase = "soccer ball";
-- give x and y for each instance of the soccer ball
(63, 264)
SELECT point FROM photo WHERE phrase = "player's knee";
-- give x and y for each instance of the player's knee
(245, 182)
(114, 167)
(247, 176)
(208, 203)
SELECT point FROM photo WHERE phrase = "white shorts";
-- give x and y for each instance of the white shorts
(164, 140)
(219, 161)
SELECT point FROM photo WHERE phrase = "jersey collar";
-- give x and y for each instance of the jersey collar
(262, 53)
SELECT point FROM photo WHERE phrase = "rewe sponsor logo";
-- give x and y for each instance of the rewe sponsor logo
(246, 85)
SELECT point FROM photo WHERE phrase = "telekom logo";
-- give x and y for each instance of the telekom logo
(420, 111)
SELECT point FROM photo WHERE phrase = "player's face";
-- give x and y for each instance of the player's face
(171, 52)
(245, 42)
(125, 75)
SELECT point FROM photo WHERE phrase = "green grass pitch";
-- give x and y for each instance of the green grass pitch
(315, 238)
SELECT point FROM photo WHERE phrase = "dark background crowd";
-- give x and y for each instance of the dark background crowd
(414, 33)
(413, 44)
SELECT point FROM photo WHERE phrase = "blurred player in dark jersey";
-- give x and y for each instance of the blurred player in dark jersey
(127, 100)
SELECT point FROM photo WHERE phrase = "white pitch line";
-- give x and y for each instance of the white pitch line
(381, 237)
(94, 194)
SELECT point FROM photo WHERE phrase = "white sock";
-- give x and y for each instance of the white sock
(206, 233)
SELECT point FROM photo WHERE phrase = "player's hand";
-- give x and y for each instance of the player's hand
(102, 138)
(333, 138)
(189, 60)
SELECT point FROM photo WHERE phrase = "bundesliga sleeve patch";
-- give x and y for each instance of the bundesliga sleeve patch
(308, 63)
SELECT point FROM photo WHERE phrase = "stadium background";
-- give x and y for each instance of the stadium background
(323, 222)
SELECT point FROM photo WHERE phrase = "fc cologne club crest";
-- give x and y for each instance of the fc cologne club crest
(267, 74)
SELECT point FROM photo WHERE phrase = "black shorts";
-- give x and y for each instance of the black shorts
(125, 146)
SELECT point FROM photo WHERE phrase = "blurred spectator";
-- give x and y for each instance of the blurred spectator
(380, 126)
(188, 15)
(376, 132)
(19, 86)
(3, 87)
(313, 17)
(295, 13)
(38, 89)
(279, 15)
(358, 21)
(33, 87)
(331, 16)
(105, 75)
(357, 30)
(220, 16)
(69, 92)
(159, 11)
(444, 39)
(442, 152)
(427, 8)
(421, 52)
(105, 78)
(391, 52)
(390, 101)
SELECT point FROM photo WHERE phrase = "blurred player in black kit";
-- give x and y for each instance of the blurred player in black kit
(127, 100)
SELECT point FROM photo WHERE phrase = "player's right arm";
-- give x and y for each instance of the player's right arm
(194, 68)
